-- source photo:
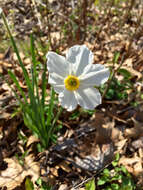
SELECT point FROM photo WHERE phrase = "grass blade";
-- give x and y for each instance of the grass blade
(44, 83)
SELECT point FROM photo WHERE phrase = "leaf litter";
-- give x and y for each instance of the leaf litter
(86, 144)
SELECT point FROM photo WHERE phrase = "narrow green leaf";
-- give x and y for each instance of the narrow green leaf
(116, 57)
(16, 51)
(51, 106)
(49, 118)
(125, 73)
(34, 62)
(27, 79)
(28, 184)
(44, 83)
(90, 185)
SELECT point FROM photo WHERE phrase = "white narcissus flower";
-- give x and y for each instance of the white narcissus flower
(74, 77)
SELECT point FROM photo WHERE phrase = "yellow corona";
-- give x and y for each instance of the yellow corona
(71, 83)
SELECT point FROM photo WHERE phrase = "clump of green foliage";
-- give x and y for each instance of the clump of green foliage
(117, 89)
(38, 115)
(40, 184)
(116, 179)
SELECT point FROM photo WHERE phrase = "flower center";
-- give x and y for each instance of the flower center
(71, 82)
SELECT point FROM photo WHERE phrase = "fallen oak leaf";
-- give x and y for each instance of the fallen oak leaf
(14, 174)
(133, 165)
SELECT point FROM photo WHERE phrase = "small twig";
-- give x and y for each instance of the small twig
(112, 76)
(83, 182)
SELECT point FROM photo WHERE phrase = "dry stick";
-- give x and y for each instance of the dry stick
(84, 12)
(113, 74)
(83, 182)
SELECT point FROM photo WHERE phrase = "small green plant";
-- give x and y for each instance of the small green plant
(21, 158)
(40, 183)
(37, 115)
(22, 138)
(81, 113)
(116, 179)
(117, 89)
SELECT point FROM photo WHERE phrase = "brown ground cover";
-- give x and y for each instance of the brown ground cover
(87, 141)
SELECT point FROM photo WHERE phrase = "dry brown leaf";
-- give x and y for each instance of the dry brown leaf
(22, 85)
(63, 187)
(138, 169)
(54, 171)
(1, 56)
(136, 131)
(141, 153)
(133, 165)
(4, 115)
(133, 72)
(5, 64)
(21, 55)
(128, 66)
(1, 70)
(6, 87)
(128, 62)
(14, 175)
(65, 166)
(11, 177)
(27, 61)
(32, 139)
(55, 36)
(136, 144)
(120, 145)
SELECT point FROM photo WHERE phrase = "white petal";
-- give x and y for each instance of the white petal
(88, 98)
(93, 68)
(80, 56)
(95, 78)
(59, 88)
(57, 64)
(57, 82)
(55, 79)
(67, 100)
